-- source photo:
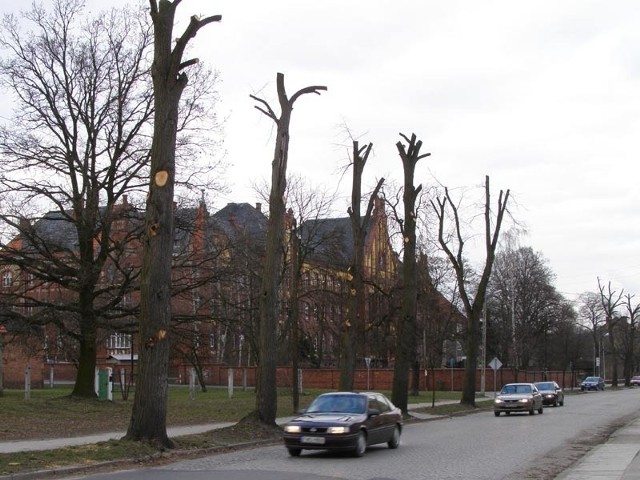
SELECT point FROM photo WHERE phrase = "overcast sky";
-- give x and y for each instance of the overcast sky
(544, 97)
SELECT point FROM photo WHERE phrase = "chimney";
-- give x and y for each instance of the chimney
(259, 206)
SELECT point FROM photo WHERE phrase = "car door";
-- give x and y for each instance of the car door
(375, 420)
(537, 397)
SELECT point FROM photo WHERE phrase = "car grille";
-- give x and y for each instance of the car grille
(314, 430)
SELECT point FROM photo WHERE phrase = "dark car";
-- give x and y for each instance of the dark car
(518, 397)
(635, 380)
(592, 383)
(551, 393)
(344, 421)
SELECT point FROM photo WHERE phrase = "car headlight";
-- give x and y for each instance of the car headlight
(338, 430)
(525, 400)
(292, 429)
(498, 401)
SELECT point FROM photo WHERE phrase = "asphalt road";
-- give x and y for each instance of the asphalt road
(476, 446)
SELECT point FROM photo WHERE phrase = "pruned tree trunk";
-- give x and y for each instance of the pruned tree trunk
(406, 331)
(266, 393)
(149, 415)
(353, 322)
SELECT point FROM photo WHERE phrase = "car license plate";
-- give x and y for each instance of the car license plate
(314, 440)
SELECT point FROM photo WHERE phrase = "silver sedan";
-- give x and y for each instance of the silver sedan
(518, 397)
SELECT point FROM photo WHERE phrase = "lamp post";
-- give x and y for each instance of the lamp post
(3, 330)
(484, 348)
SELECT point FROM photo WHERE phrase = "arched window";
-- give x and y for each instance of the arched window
(7, 278)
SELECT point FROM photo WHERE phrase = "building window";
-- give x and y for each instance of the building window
(119, 341)
(7, 278)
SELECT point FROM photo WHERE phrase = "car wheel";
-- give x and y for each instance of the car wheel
(532, 411)
(561, 402)
(361, 445)
(394, 442)
(294, 452)
(541, 410)
(555, 403)
(497, 414)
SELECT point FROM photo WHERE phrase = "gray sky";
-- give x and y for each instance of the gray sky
(544, 97)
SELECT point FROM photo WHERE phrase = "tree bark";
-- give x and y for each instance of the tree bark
(149, 415)
(266, 392)
(353, 325)
(406, 331)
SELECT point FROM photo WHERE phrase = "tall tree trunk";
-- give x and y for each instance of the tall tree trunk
(406, 331)
(352, 324)
(266, 393)
(149, 414)
(85, 379)
(294, 315)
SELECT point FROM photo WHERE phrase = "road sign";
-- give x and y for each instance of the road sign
(495, 364)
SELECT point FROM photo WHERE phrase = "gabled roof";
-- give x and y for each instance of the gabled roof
(56, 230)
(240, 221)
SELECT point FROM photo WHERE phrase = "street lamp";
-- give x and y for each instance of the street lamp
(484, 348)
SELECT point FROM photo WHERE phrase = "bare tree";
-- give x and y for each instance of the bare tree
(76, 145)
(524, 303)
(611, 301)
(473, 307)
(591, 315)
(149, 415)
(266, 394)
(629, 339)
(406, 329)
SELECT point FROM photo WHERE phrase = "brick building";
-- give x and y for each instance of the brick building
(216, 278)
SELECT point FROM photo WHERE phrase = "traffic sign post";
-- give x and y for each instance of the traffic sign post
(495, 365)
(367, 360)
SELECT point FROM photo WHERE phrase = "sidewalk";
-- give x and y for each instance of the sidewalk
(616, 459)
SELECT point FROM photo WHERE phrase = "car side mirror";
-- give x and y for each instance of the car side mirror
(373, 412)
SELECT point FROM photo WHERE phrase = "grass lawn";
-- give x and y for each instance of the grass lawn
(51, 413)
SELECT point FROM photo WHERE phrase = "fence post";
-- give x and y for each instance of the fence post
(230, 382)
(192, 383)
(27, 383)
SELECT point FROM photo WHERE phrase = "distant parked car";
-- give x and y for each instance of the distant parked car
(592, 383)
(551, 393)
(345, 421)
(518, 397)
(635, 380)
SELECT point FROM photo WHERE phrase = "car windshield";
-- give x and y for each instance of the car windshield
(510, 389)
(545, 386)
(591, 379)
(338, 404)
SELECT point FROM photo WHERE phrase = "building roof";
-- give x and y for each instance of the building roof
(328, 241)
(240, 220)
